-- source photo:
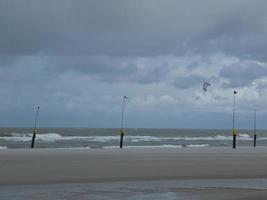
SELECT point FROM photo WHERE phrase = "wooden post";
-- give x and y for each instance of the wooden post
(35, 128)
(234, 140)
(121, 139)
(234, 131)
(255, 134)
(121, 130)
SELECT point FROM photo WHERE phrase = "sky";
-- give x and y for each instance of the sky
(78, 58)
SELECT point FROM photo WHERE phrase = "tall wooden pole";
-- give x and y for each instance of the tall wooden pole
(35, 127)
(255, 134)
(234, 131)
(121, 130)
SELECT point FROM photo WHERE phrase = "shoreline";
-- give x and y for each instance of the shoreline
(134, 190)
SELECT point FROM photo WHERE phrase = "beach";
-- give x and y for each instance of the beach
(34, 167)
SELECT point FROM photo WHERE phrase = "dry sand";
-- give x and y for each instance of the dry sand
(48, 166)
(26, 166)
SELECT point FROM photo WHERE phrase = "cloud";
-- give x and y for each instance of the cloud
(140, 28)
(189, 81)
(105, 66)
(244, 73)
(79, 58)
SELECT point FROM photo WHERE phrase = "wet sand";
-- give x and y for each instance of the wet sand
(21, 167)
(146, 190)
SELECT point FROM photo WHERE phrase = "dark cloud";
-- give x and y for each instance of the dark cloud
(7, 61)
(103, 65)
(131, 28)
(243, 73)
(67, 55)
(110, 69)
(186, 82)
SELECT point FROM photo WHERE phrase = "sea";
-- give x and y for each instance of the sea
(92, 138)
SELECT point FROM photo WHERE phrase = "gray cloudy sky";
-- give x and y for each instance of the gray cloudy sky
(77, 58)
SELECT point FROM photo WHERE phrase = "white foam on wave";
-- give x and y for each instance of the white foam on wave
(244, 135)
(186, 138)
(3, 147)
(209, 138)
(53, 137)
(80, 148)
(158, 139)
(17, 137)
(90, 138)
(215, 138)
(139, 138)
(159, 146)
(49, 137)
(25, 137)
(197, 145)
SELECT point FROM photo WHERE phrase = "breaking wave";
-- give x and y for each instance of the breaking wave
(53, 137)
(197, 145)
(152, 146)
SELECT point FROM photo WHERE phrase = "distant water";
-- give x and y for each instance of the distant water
(134, 138)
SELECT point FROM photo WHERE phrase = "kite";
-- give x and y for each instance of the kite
(205, 86)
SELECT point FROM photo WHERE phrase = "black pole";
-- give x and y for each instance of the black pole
(255, 134)
(33, 139)
(234, 131)
(35, 128)
(121, 139)
(234, 140)
(255, 139)
(121, 130)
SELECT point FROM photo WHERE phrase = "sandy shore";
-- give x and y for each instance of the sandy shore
(133, 173)
(26, 166)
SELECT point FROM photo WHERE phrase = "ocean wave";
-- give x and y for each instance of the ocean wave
(17, 137)
(152, 146)
(244, 135)
(197, 145)
(54, 137)
(25, 137)
(160, 146)
(3, 147)
(139, 138)
(215, 138)
(188, 138)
